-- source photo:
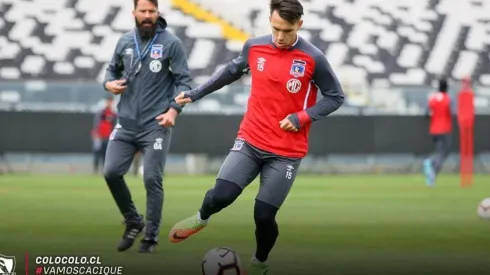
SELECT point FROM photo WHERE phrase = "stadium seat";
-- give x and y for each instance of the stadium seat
(398, 43)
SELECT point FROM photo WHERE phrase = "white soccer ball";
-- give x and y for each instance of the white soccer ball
(221, 261)
(484, 209)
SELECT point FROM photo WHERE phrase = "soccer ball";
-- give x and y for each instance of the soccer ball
(484, 209)
(221, 261)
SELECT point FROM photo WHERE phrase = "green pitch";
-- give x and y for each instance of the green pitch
(329, 225)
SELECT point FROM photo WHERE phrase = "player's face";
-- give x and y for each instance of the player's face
(108, 103)
(284, 33)
(146, 17)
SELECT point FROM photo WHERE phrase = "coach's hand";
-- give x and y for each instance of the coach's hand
(168, 118)
(116, 86)
(182, 100)
(287, 125)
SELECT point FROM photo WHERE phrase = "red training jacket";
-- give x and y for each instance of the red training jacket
(284, 84)
(104, 123)
(441, 114)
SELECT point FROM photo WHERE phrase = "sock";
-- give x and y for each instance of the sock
(266, 229)
(223, 194)
(200, 219)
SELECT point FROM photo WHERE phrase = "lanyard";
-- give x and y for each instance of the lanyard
(147, 48)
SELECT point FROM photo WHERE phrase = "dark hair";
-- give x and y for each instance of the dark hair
(443, 85)
(289, 10)
(154, 2)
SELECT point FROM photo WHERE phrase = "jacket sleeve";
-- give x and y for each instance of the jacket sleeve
(233, 71)
(180, 71)
(333, 95)
(116, 66)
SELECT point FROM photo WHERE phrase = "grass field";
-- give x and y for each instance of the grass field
(329, 225)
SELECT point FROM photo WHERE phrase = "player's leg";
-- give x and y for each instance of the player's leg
(119, 155)
(154, 146)
(443, 147)
(276, 179)
(103, 150)
(96, 155)
(428, 166)
(239, 169)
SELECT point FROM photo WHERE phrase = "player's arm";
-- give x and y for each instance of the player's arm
(427, 112)
(233, 71)
(180, 71)
(454, 108)
(333, 95)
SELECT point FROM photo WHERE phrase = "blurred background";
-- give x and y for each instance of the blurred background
(387, 54)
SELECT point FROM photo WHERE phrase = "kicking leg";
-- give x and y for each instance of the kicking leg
(239, 169)
(154, 146)
(120, 152)
(276, 179)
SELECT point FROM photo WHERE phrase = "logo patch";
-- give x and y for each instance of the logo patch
(7, 265)
(155, 66)
(158, 145)
(293, 85)
(238, 145)
(156, 51)
(260, 64)
(298, 68)
(128, 51)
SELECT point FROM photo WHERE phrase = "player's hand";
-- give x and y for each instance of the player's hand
(287, 125)
(116, 86)
(167, 119)
(182, 100)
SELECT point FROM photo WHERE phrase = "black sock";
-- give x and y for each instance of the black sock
(266, 229)
(223, 194)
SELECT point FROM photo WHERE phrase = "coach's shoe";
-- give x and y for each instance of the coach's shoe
(257, 268)
(429, 173)
(132, 231)
(142, 218)
(186, 228)
(148, 246)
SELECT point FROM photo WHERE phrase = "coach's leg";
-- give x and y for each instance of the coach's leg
(154, 146)
(276, 179)
(239, 169)
(119, 155)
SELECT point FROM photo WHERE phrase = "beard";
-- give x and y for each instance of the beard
(146, 32)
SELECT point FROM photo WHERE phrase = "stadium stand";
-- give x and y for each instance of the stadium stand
(383, 44)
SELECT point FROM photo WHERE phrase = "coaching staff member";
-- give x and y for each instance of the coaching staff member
(149, 68)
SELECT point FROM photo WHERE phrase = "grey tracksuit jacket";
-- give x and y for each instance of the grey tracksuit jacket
(151, 89)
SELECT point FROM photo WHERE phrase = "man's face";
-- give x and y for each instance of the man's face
(284, 33)
(146, 17)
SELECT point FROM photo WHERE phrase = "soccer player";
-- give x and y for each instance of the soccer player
(103, 126)
(287, 72)
(440, 110)
(148, 69)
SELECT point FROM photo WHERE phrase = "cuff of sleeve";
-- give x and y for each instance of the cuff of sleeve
(176, 107)
(103, 85)
(303, 118)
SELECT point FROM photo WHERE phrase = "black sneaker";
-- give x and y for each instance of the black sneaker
(142, 218)
(148, 246)
(132, 231)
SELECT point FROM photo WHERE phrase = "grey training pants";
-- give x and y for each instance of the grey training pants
(154, 145)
